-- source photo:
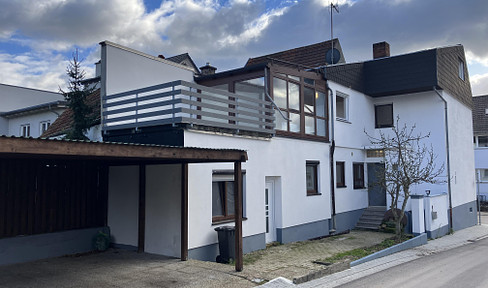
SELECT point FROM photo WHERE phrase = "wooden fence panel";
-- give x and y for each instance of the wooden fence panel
(41, 196)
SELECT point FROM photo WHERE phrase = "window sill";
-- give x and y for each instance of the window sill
(359, 188)
(383, 127)
(341, 186)
(314, 194)
(219, 222)
(343, 120)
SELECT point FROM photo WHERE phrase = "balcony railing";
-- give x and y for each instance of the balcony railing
(180, 102)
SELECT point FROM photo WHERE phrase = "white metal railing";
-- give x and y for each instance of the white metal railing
(184, 102)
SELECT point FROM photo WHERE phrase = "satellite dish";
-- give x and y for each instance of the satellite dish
(332, 56)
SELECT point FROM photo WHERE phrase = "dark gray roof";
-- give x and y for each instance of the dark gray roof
(408, 73)
(480, 119)
(184, 59)
(35, 108)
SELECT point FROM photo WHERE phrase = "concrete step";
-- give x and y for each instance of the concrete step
(371, 218)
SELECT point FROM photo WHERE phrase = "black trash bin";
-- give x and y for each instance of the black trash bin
(227, 249)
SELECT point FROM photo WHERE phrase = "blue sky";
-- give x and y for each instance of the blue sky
(38, 37)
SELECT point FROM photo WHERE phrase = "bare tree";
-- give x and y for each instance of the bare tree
(76, 97)
(407, 162)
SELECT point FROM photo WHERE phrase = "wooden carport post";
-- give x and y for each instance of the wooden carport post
(238, 214)
(142, 209)
(184, 211)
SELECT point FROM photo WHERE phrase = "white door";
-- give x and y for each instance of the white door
(269, 198)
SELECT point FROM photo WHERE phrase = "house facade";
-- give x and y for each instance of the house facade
(480, 142)
(28, 112)
(302, 123)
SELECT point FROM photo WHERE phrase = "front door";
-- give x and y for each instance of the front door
(269, 194)
(376, 193)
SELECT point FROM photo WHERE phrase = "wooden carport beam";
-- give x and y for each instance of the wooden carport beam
(184, 211)
(238, 215)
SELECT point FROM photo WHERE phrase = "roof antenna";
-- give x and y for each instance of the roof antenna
(332, 8)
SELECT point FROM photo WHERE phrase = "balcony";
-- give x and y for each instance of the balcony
(181, 102)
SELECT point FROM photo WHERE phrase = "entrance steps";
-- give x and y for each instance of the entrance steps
(371, 218)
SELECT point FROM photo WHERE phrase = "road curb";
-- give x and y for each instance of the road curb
(412, 243)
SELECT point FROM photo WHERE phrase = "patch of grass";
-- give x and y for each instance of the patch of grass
(361, 252)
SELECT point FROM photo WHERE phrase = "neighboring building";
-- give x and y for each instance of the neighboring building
(288, 113)
(64, 123)
(480, 140)
(28, 112)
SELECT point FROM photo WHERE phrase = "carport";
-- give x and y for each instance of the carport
(24, 159)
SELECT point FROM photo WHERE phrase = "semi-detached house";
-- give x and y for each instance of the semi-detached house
(301, 115)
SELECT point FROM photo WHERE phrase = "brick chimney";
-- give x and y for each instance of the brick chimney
(381, 50)
(207, 69)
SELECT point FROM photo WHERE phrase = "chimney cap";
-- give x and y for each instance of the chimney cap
(208, 69)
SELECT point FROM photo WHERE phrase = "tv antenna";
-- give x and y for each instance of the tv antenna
(332, 8)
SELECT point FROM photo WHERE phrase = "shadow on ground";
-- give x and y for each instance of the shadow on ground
(121, 268)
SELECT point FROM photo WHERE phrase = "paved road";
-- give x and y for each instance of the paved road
(465, 267)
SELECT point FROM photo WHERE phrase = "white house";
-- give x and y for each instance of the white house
(480, 140)
(28, 112)
(301, 121)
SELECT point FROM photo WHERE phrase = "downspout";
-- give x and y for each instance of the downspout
(448, 156)
(331, 154)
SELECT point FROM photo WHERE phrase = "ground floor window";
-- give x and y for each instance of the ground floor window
(358, 175)
(223, 196)
(340, 175)
(312, 178)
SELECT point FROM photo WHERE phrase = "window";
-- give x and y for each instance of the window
(43, 126)
(341, 106)
(340, 175)
(482, 141)
(483, 175)
(312, 178)
(383, 115)
(223, 196)
(25, 130)
(358, 174)
(375, 153)
(461, 69)
(301, 103)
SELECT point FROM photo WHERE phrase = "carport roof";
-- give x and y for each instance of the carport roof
(114, 152)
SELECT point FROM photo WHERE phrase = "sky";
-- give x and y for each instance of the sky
(37, 38)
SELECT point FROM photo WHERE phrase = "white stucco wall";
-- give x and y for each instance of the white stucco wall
(279, 157)
(34, 120)
(124, 69)
(463, 189)
(163, 210)
(14, 97)
(123, 204)
(426, 111)
(350, 141)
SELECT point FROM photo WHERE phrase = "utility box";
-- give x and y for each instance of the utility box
(226, 235)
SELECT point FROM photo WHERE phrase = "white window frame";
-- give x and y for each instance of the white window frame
(46, 123)
(477, 142)
(346, 106)
(483, 175)
(25, 130)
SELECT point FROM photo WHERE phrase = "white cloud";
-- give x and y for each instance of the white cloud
(228, 34)
(479, 84)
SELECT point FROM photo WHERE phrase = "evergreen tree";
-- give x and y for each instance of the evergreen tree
(76, 98)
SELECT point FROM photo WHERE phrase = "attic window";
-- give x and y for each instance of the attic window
(461, 69)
